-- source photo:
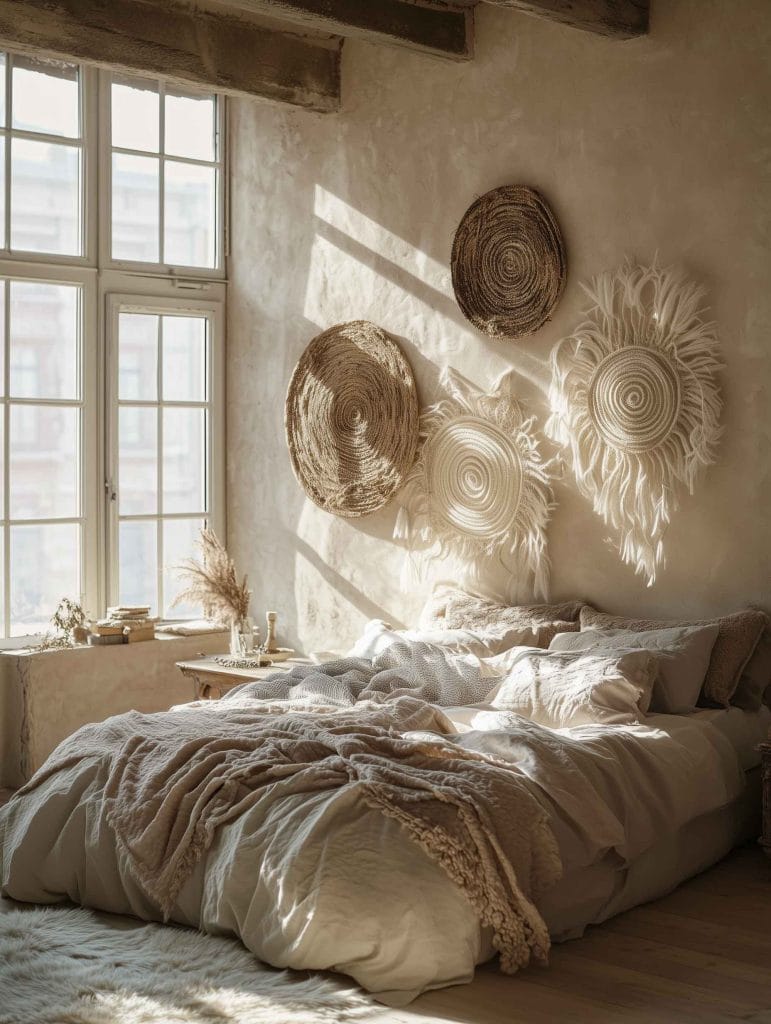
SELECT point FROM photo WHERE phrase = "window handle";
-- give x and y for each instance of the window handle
(112, 494)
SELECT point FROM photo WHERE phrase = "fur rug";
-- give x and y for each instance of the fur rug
(69, 965)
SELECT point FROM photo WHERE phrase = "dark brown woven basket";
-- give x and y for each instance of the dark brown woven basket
(508, 262)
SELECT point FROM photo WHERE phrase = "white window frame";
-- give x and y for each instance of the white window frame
(215, 468)
(105, 185)
(105, 284)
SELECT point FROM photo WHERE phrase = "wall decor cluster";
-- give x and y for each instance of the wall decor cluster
(508, 262)
(635, 399)
(479, 487)
(351, 419)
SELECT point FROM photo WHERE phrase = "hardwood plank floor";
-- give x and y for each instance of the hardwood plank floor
(701, 954)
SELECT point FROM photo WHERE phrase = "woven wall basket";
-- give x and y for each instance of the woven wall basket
(508, 262)
(352, 419)
(635, 398)
(480, 488)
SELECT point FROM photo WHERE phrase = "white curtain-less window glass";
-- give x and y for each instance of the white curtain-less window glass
(163, 424)
(165, 175)
(43, 420)
(42, 158)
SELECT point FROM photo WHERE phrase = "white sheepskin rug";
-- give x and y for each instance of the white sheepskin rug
(64, 966)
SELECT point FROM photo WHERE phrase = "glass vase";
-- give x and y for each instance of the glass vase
(242, 637)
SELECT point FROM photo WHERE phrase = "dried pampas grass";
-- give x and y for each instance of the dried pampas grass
(213, 582)
(634, 397)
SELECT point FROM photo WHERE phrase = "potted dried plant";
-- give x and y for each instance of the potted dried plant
(213, 583)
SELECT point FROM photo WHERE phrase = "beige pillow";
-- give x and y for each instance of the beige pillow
(682, 654)
(525, 625)
(737, 638)
(755, 683)
(379, 635)
(559, 689)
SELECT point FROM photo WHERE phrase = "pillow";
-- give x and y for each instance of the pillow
(682, 654)
(754, 687)
(528, 625)
(737, 637)
(560, 689)
(379, 635)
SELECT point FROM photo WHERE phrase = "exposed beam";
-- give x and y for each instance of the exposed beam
(184, 45)
(622, 19)
(439, 27)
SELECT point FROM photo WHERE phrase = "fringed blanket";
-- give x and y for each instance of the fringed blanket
(175, 777)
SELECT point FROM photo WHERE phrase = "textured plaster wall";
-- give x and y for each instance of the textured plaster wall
(658, 145)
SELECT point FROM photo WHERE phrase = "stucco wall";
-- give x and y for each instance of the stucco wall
(658, 145)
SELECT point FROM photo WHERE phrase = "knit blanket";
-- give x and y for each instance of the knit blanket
(176, 777)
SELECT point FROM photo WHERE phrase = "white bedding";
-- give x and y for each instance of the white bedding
(353, 893)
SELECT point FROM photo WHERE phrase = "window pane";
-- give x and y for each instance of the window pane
(138, 563)
(138, 356)
(184, 358)
(46, 96)
(184, 460)
(189, 128)
(45, 567)
(45, 197)
(135, 198)
(44, 462)
(135, 119)
(138, 460)
(44, 340)
(3, 240)
(190, 215)
(179, 543)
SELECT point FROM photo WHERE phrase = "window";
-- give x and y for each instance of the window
(111, 354)
(164, 175)
(41, 146)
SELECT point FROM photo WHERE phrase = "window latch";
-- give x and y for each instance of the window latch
(110, 491)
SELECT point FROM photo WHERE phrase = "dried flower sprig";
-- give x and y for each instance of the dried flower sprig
(213, 582)
(67, 620)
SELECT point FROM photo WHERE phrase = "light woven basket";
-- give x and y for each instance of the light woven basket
(352, 419)
(508, 262)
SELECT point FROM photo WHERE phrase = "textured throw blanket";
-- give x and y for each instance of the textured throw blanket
(175, 777)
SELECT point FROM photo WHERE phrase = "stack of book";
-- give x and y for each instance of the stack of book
(124, 624)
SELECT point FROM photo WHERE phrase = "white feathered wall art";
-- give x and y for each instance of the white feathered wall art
(635, 399)
(480, 488)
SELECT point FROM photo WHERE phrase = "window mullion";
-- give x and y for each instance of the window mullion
(6, 462)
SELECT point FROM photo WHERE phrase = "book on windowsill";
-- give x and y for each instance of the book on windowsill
(126, 611)
(107, 629)
(133, 636)
(120, 624)
(94, 640)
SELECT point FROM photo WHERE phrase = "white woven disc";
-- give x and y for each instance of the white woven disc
(474, 477)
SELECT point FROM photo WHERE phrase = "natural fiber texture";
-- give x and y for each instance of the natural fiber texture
(213, 582)
(480, 487)
(508, 262)
(351, 419)
(634, 397)
(64, 966)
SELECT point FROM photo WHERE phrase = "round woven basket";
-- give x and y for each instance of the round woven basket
(508, 262)
(352, 419)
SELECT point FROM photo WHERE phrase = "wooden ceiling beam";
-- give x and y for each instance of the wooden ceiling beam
(215, 50)
(438, 27)
(621, 19)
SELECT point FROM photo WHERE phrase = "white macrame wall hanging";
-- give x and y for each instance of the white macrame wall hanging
(634, 397)
(479, 488)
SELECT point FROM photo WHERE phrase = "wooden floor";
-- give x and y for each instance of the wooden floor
(701, 954)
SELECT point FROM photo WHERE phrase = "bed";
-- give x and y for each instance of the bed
(325, 880)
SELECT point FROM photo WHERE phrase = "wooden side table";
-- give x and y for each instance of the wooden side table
(765, 770)
(212, 680)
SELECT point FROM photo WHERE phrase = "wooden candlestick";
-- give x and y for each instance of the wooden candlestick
(270, 638)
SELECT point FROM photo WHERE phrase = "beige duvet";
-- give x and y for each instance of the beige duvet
(324, 880)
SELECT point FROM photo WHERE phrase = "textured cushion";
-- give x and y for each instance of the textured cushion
(528, 625)
(755, 683)
(379, 635)
(682, 653)
(559, 689)
(737, 638)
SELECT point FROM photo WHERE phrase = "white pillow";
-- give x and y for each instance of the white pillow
(379, 635)
(563, 689)
(682, 653)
